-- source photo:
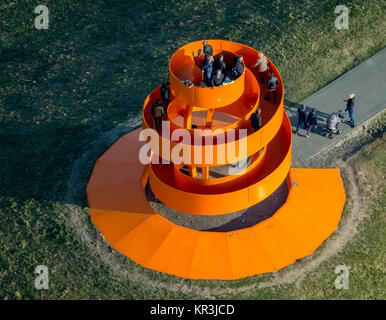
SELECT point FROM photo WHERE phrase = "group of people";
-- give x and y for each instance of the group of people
(267, 77)
(309, 120)
(333, 121)
(270, 81)
(215, 72)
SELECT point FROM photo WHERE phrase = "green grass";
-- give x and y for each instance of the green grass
(61, 88)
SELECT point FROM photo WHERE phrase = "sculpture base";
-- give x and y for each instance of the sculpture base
(119, 209)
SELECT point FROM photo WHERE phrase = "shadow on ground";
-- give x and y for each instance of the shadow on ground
(222, 223)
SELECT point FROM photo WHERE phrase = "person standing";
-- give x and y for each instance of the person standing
(271, 88)
(312, 121)
(208, 71)
(219, 64)
(217, 79)
(350, 108)
(165, 95)
(302, 116)
(208, 50)
(157, 111)
(238, 69)
(262, 67)
(256, 120)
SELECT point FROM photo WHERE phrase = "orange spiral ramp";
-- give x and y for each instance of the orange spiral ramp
(237, 102)
(120, 210)
(236, 193)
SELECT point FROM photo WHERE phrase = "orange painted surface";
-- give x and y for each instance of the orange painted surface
(238, 101)
(122, 214)
(241, 107)
(231, 193)
(119, 208)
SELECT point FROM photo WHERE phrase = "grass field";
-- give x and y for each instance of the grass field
(61, 88)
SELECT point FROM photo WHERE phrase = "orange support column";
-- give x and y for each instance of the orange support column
(188, 117)
(205, 172)
(209, 118)
(193, 171)
(188, 125)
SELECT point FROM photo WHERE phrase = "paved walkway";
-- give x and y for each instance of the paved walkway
(367, 81)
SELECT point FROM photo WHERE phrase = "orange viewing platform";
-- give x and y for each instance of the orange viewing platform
(116, 190)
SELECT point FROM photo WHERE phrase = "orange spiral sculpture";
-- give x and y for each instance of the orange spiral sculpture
(118, 204)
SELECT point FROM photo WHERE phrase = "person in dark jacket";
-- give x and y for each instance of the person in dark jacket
(312, 121)
(350, 108)
(157, 111)
(208, 71)
(271, 87)
(302, 116)
(256, 120)
(208, 50)
(238, 68)
(165, 95)
(217, 79)
(219, 64)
